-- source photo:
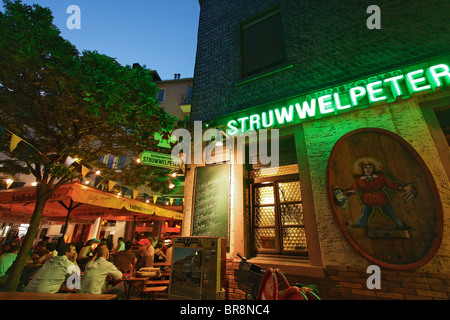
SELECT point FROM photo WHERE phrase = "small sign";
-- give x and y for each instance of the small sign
(162, 160)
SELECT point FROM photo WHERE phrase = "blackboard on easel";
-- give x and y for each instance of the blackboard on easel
(211, 201)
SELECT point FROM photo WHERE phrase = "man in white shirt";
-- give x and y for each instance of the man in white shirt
(96, 271)
(55, 271)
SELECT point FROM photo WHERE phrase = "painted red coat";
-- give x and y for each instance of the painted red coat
(372, 193)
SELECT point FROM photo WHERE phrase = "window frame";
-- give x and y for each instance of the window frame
(268, 68)
(163, 91)
(275, 181)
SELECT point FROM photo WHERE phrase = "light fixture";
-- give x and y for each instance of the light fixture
(86, 182)
(9, 183)
(119, 194)
(34, 184)
(97, 172)
(219, 143)
(174, 174)
(138, 160)
(147, 201)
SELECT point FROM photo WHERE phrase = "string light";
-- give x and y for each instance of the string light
(71, 161)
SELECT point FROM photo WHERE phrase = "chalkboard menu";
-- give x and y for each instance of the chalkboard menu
(211, 201)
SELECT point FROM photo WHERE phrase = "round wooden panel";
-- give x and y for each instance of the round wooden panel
(384, 199)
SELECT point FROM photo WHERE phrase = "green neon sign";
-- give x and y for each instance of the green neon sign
(379, 91)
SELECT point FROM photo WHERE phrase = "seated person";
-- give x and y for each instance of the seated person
(124, 260)
(51, 248)
(86, 250)
(159, 253)
(6, 261)
(145, 254)
(39, 251)
(96, 271)
(54, 273)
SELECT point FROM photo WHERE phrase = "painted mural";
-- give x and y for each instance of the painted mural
(384, 199)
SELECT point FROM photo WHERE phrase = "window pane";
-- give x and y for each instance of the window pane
(264, 195)
(289, 191)
(265, 238)
(294, 239)
(264, 216)
(273, 172)
(291, 214)
(262, 45)
(161, 93)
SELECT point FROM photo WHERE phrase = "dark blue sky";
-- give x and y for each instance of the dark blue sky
(160, 34)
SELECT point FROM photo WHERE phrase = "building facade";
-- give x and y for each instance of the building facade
(362, 113)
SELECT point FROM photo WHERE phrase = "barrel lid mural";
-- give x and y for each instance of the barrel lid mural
(384, 199)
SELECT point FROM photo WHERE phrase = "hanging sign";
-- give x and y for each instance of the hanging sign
(162, 160)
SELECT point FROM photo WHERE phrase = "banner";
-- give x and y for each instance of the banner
(14, 142)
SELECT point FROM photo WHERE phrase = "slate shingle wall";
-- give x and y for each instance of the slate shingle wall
(327, 42)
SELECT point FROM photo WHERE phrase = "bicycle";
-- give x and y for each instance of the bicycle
(270, 284)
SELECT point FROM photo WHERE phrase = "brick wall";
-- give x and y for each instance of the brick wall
(342, 283)
(327, 42)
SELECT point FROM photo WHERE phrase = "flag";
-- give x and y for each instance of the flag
(155, 198)
(84, 171)
(171, 200)
(111, 185)
(178, 201)
(135, 194)
(14, 142)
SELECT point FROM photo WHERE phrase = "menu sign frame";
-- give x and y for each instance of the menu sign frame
(211, 205)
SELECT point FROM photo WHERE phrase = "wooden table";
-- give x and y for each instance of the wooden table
(54, 296)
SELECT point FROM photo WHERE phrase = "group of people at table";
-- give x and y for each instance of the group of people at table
(95, 268)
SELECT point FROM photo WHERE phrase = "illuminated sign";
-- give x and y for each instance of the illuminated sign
(386, 90)
(162, 160)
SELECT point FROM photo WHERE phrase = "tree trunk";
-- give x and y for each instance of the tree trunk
(18, 266)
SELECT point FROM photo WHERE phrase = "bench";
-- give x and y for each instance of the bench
(157, 282)
(152, 290)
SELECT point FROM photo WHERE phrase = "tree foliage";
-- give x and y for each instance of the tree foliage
(66, 105)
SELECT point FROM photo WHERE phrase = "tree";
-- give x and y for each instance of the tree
(68, 105)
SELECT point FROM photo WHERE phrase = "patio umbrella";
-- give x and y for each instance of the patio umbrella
(83, 202)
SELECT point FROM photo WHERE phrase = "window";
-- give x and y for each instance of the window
(262, 46)
(276, 205)
(278, 215)
(161, 94)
